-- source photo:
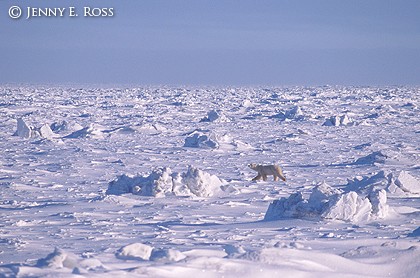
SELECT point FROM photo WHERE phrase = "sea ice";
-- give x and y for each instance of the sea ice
(26, 131)
(215, 116)
(338, 121)
(157, 184)
(415, 233)
(329, 203)
(135, 251)
(166, 255)
(349, 207)
(401, 184)
(373, 158)
(162, 181)
(407, 183)
(52, 196)
(91, 131)
(378, 200)
(199, 139)
(294, 113)
(23, 129)
(46, 132)
(59, 259)
(200, 183)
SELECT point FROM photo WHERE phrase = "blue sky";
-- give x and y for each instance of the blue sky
(215, 42)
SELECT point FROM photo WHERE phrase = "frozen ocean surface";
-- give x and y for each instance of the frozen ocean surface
(153, 182)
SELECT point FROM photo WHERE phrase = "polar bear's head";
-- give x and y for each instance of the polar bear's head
(253, 166)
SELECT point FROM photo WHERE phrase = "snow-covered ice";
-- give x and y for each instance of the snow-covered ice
(26, 131)
(337, 121)
(200, 139)
(328, 203)
(135, 251)
(163, 181)
(153, 182)
(215, 116)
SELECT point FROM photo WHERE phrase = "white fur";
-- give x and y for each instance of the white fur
(267, 170)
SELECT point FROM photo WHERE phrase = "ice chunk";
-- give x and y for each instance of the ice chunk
(122, 184)
(294, 113)
(162, 182)
(375, 157)
(178, 187)
(135, 251)
(320, 195)
(59, 259)
(166, 255)
(366, 184)
(247, 103)
(285, 207)
(215, 116)
(46, 132)
(91, 131)
(156, 184)
(378, 200)
(415, 233)
(23, 129)
(59, 126)
(233, 251)
(330, 203)
(26, 131)
(200, 183)
(349, 206)
(408, 183)
(338, 121)
(397, 185)
(91, 264)
(201, 140)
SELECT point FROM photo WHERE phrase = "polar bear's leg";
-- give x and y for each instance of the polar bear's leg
(283, 177)
(279, 173)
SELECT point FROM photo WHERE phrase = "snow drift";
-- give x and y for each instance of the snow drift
(163, 181)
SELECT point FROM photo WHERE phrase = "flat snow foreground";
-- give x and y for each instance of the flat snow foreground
(153, 182)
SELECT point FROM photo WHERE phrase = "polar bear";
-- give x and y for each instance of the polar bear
(267, 170)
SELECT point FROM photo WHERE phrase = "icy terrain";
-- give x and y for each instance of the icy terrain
(153, 182)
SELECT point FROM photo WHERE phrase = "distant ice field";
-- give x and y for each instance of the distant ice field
(154, 182)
